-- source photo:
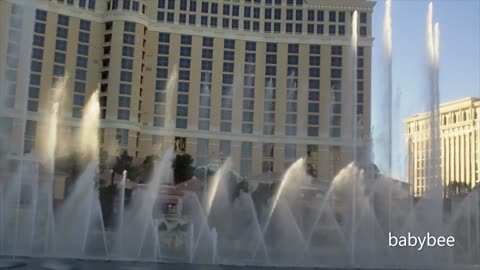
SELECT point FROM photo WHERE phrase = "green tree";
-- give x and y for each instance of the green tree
(182, 168)
(102, 161)
(146, 169)
(457, 189)
(241, 186)
(107, 197)
(72, 165)
(124, 162)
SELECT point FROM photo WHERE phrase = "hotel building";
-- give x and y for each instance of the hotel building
(459, 145)
(263, 81)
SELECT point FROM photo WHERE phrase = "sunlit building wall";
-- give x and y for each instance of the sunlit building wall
(265, 82)
(459, 146)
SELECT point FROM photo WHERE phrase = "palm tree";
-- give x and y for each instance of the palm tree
(182, 168)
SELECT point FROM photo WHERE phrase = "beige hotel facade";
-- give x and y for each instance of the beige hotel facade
(265, 82)
(459, 145)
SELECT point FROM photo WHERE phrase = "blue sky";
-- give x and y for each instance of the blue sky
(459, 63)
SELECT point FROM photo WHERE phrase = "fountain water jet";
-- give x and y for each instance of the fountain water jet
(170, 95)
(222, 173)
(294, 172)
(89, 126)
(80, 229)
(354, 44)
(134, 239)
(44, 216)
(388, 122)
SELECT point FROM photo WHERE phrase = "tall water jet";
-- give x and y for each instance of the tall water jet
(121, 211)
(80, 229)
(18, 48)
(221, 174)
(44, 217)
(297, 171)
(433, 163)
(138, 238)
(268, 115)
(388, 123)
(89, 127)
(354, 44)
(169, 104)
(51, 143)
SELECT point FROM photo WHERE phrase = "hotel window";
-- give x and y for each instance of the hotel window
(311, 15)
(363, 17)
(161, 3)
(360, 90)
(246, 158)
(313, 106)
(39, 28)
(122, 138)
(213, 22)
(191, 19)
(312, 158)
(171, 4)
(183, 5)
(320, 15)
(126, 4)
(290, 154)
(63, 20)
(58, 70)
(270, 91)
(183, 83)
(267, 157)
(298, 14)
(291, 96)
(278, 14)
(182, 19)
(335, 92)
(193, 5)
(62, 32)
(227, 86)
(225, 148)
(129, 27)
(214, 8)
(160, 16)
(332, 16)
(161, 81)
(82, 49)
(205, 87)
(170, 17)
(202, 152)
(249, 88)
(30, 134)
(91, 4)
(41, 15)
(311, 28)
(35, 67)
(226, 9)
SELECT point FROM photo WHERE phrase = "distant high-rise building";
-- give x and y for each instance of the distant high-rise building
(264, 81)
(459, 147)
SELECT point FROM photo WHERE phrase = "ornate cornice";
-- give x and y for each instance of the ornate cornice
(153, 25)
